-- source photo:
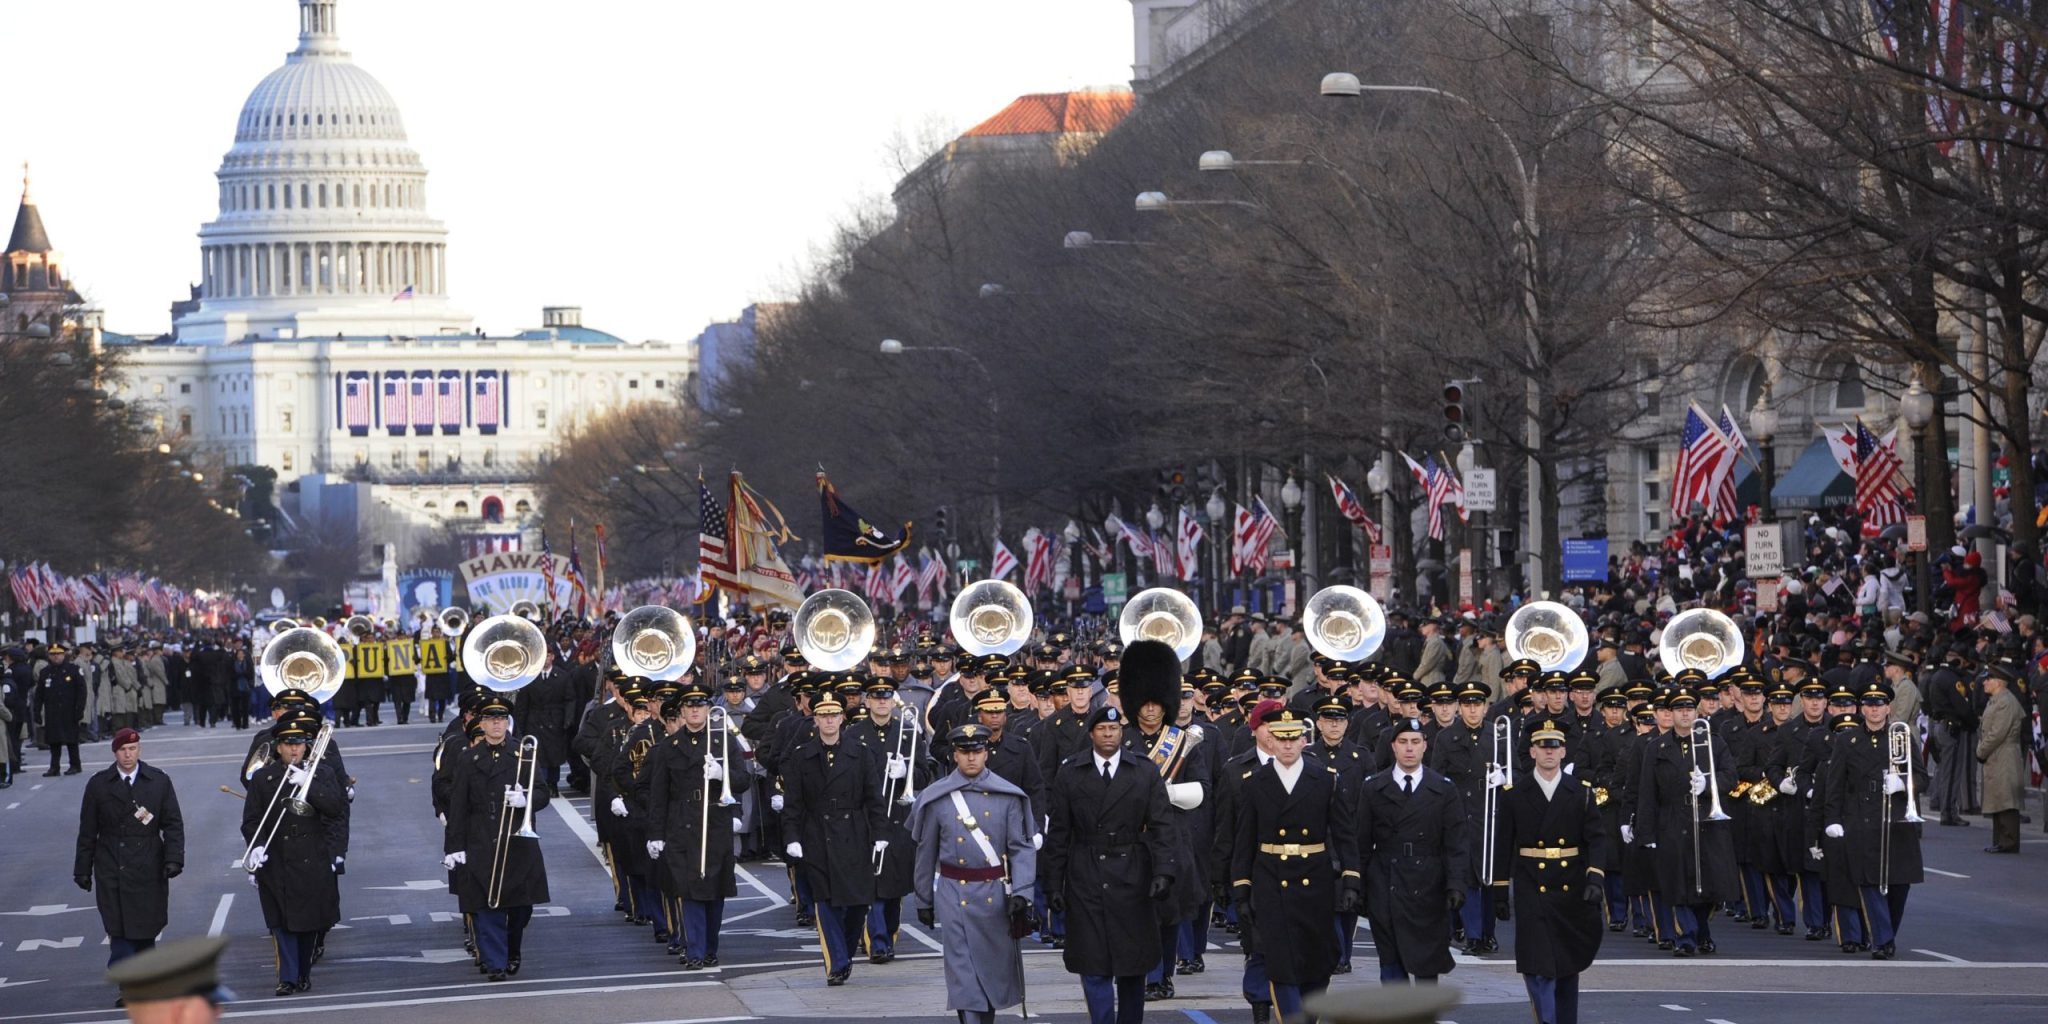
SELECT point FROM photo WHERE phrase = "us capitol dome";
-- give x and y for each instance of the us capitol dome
(323, 226)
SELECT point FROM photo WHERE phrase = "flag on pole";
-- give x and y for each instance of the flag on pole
(406, 294)
(1353, 510)
(602, 600)
(930, 578)
(1141, 545)
(1037, 560)
(1190, 541)
(1878, 498)
(1003, 563)
(1726, 508)
(547, 575)
(1165, 562)
(849, 537)
(1436, 489)
(576, 585)
(901, 580)
(758, 568)
(1704, 454)
(1255, 529)
(714, 540)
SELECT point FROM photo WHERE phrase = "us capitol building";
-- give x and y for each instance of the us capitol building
(322, 340)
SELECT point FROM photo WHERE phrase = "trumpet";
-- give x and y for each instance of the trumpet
(523, 776)
(1763, 793)
(1899, 757)
(295, 803)
(1601, 796)
(1503, 761)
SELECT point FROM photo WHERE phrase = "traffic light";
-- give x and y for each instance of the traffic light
(942, 520)
(1454, 412)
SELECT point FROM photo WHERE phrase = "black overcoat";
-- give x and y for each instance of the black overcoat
(1413, 850)
(1856, 800)
(297, 883)
(1557, 933)
(60, 701)
(1665, 815)
(673, 781)
(476, 801)
(1292, 896)
(1107, 841)
(832, 804)
(128, 858)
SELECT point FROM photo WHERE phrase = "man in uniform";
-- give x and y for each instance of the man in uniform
(976, 839)
(60, 705)
(836, 826)
(1411, 825)
(598, 739)
(1953, 735)
(1461, 754)
(1291, 851)
(1557, 889)
(1865, 806)
(1672, 808)
(647, 890)
(2001, 749)
(905, 767)
(131, 843)
(1107, 859)
(176, 983)
(1149, 684)
(487, 786)
(294, 866)
(689, 829)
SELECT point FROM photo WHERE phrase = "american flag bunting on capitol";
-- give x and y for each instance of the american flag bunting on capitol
(488, 395)
(422, 388)
(394, 405)
(355, 403)
(448, 401)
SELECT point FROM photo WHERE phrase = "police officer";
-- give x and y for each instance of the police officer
(487, 786)
(294, 868)
(691, 807)
(976, 857)
(1549, 840)
(60, 705)
(836, 826)
(131, 843)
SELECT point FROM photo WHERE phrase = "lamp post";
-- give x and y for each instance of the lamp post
(1917, 406)
(1763, 423)
(1217, 509)
(1075, 567)
(1343, 84)
(1290, 502)
(893, 347)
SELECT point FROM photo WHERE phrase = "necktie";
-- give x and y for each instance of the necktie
(1105, 771)
(1407, 785)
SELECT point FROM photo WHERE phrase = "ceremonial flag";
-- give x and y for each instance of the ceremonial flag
(1165, 564)
(576, 584)
(1353, 510)
(547, 574)
(1878, 497)
(406, 294)
(850, 538)
(1003, 563)
(758, 568)
(1141, 545)
(1037, 560)
(1704, 454)
(714, 539)
(1190, 540)
(488, 396)
(603, 597)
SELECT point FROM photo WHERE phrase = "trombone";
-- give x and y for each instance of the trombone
(524, 774)
(1502, 759)
(1899, 751)
(717, 730)
(906, 751)
(1703, 738)
(273, 818)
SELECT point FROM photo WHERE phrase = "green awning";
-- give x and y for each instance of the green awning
(1814, 481)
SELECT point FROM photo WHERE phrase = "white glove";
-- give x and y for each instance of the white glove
(1568, 766)
(1894, 782)
(515, 796)
(1037, 840)
(296, 775)
(897, 768)
(654, 848)
(880, 846)
(253, 883)
(618, 807)
(1789, 786)
(1496, 778)
(351, 792)
(775, 802)
(1833, 832)
(1815, 852)
(443, 819)
(1185, 795)
(712, 769)
(1628, 833)
(257, 858)
(795, 851)
(1649, 846)
(1699, 783)
(449, 862)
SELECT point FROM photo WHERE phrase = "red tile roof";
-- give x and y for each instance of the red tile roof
(1058, 113)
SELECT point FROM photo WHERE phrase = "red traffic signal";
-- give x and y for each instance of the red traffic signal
(1454, 411)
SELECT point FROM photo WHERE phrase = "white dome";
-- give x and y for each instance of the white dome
(319, 97)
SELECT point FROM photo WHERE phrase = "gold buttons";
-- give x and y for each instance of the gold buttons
(1283, 831)
(1564, 863)
(1540, 889)
(1283, 883)
(1541, 866)
(1566, 888)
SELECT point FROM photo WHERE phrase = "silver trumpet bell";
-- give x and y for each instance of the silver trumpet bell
(990, 617)
(1547, 633)
(1165, 615)
(655, 642)
(1344, 623)
(303, 659)
(1703, 639)
(834, 629)
(504, 653)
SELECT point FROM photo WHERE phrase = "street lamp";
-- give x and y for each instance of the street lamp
(1290, 501)
(1763, 422)
(1153, 202)
(1917, 406)
(1087, 240)
(1155, 518)
(1344, 84)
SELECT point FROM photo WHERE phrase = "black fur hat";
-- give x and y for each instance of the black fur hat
(1149, 674)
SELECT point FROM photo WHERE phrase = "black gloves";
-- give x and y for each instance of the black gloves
(1242, 899)
(1349, 902)
(1018, 906)
(1056, 902)
(926, 918)
(1503, 907)
(84, 881)
(173, 870)
(1220, 893)
(1455, 899)
(1593, 892)
(1161, 885)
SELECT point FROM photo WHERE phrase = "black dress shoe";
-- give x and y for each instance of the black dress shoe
(1489, 945)
(1154, 993)
(804, 920)
(497, 975)
(1196, 966)
(1341, 969)
(838, 977)
(1955, 823)
(2001, 849)
(691, 963)
(1759, 922)
(661, 936)
(512, 967)
(1181, 967)
(73, 770)
(1262, 1013)
(1816, 934)
(1667, 945)
(1784, 929)
(1885, 952)
(318, 952)
(305, 986)
(1708, 949)
(880, 958)
(285, 988)
(1682, 951)
(1615, 926)
(709, 961)
(120, 1002)
(52, 773)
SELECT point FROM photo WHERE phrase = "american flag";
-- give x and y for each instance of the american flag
(1436, 484)
(1003, 563)
(547, 573)
(485, 407)
(1704, 455)
(1255, 530)
(1878, 498)
(1101, 547)
(1165, 564)
(902, 579)
(877, 583)
(422, 388)
(355, 402)
(930, 579)
(1037, 560)
(1353, 510)
(1141, 545)
(576, 582)
(394, 405)
(1725, 508)
(26, 594)
(714, 551)
(1190, 541)
(448, 398)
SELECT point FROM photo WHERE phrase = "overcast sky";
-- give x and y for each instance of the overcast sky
(661, 163)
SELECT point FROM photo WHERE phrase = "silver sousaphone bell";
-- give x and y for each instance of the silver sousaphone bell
(504, 653)
(655, 642)
(1165, 615)
(303, 659)
(1700, 638)
(1547, 633)
(834, 629)
(1344, 623)
(990, 617)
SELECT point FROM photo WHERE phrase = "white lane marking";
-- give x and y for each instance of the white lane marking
(1944, 874)
(922, 937)
(760, 887)
(695, 1020)
(1717, 1020)
(35, 787)
(583, 829)
(1689, 965)
(299, 1008)
(1674, 1006)
(220, 915)
(1942, 956)
(14, 805)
